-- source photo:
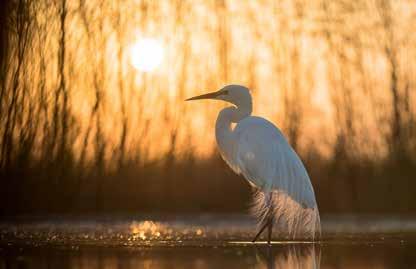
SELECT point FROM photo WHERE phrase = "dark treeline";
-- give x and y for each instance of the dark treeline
(82, 131)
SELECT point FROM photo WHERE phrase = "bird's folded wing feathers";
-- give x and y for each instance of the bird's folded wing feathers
(267, 160)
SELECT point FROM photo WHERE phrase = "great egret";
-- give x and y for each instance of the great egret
(258, 150)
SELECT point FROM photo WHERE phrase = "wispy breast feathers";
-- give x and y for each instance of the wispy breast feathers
(267, 161)
(291, 219)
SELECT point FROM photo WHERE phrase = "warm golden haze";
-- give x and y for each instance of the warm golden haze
(104, 165)
(92, 98)
(318, 71)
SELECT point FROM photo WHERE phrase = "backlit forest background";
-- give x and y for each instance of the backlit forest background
(82, 130)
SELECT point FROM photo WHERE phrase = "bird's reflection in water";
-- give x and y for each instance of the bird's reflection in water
(289, 256)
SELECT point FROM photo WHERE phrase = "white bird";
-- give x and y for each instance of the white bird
(259, 151)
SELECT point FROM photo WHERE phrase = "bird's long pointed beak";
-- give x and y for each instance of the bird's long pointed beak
(210, 95)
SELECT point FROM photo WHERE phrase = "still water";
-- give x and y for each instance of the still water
(201, 242)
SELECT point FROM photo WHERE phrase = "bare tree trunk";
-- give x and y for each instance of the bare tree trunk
(121, 90)
(223, 39)
(60, 113)
(398, 127)
(5, 11)
(62, 82)
(22, 22)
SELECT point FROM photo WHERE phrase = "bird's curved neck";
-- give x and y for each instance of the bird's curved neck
(236, 113)
(223, 126)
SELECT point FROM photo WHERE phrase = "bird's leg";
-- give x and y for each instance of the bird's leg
(268, 222)
(271, 220)
(270, 230)
(260, 231)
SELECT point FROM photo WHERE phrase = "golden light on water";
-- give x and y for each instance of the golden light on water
(146, 54)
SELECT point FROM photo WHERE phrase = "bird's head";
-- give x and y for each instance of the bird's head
(235, 94)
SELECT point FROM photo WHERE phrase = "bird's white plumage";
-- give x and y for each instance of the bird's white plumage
(267, 160)
(259, 151)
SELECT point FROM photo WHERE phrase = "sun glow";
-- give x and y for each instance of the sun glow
(146, 54)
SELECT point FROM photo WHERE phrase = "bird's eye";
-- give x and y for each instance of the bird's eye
(225, 92)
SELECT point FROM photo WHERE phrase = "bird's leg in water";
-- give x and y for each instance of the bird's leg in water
(270, 230)
(268, 222)
(271, 219)
(260, 231)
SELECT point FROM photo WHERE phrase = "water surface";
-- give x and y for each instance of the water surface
(201, 242)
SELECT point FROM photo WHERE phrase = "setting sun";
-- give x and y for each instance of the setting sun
(146, 54)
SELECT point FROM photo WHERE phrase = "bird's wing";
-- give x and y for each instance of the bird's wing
(267, 160)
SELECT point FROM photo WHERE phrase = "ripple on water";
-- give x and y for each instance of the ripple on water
(190, 231)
